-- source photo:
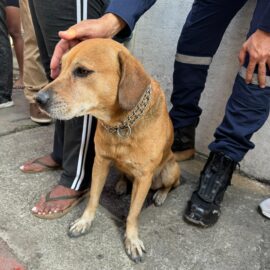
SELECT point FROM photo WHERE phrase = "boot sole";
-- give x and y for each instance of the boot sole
(196, 222)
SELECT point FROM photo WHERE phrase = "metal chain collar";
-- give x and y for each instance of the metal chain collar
(123, 130)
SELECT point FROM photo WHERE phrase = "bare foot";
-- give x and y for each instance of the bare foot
(40, 164)
(19, 84)
(58, 202)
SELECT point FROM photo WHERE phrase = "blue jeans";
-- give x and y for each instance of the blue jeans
(6, 67)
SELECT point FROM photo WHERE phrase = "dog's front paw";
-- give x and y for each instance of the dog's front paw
(134, 249)
(160, 197)
(79, 227)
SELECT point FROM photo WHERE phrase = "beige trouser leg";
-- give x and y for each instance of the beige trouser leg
(34, 75)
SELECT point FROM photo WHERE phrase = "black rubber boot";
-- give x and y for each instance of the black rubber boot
(184, 143)
(204, 206)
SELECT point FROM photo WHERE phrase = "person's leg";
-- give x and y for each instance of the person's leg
(14, 29)
(6, 61)
(246, 111)
(198, 42)
(34, 76)
(247, 108)
(77, 141)
(46, 162)
(78, 165)
(40, 37)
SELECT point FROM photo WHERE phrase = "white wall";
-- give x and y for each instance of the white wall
(154, 43)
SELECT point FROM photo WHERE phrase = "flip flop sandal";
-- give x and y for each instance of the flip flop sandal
(45, 166)
(60, 214)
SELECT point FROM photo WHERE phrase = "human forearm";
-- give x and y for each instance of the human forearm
(264, 24)
(129, 11)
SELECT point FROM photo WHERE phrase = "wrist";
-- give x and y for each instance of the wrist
(262, 32)
(114, 24)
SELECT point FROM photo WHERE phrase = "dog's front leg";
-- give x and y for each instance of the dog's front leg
(133, 245)
(82, 225)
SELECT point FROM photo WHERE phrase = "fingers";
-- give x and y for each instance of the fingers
(262, 74)
(60, 49)
(82, 30)
(69, 34)
(250, 70)
(262, 67)
(242, 55)
(257, 46)
(261, 64)
(69, 39)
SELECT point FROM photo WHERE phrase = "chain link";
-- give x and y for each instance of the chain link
(124, 129)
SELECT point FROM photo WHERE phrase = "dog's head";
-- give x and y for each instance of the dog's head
(98, 77)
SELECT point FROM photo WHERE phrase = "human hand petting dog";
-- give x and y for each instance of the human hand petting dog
(105, 27)
(258, 48)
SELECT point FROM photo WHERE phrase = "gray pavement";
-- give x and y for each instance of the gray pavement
(240, 240)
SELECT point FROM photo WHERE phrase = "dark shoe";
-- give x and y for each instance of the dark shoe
(38, 116)
(184, 143)
(204, 206)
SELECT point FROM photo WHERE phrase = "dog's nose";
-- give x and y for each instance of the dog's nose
(42, 98)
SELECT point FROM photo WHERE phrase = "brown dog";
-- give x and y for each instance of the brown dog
(100, 77)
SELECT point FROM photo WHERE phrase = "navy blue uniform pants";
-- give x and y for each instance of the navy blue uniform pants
(248, 106)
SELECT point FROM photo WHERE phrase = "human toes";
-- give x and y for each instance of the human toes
(39, 207)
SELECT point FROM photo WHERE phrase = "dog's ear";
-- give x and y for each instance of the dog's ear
(133, 81)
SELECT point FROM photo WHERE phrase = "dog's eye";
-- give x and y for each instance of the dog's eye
(82, 72)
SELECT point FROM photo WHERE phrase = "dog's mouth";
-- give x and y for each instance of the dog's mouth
(58, 110)
(54, 106)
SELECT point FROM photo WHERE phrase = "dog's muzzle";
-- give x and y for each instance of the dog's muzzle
(53, 105)
(43, 99)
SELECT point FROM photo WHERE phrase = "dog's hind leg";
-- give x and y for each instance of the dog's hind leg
(169, 177)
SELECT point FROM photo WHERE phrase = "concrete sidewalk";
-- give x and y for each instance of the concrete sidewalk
(240, 240)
